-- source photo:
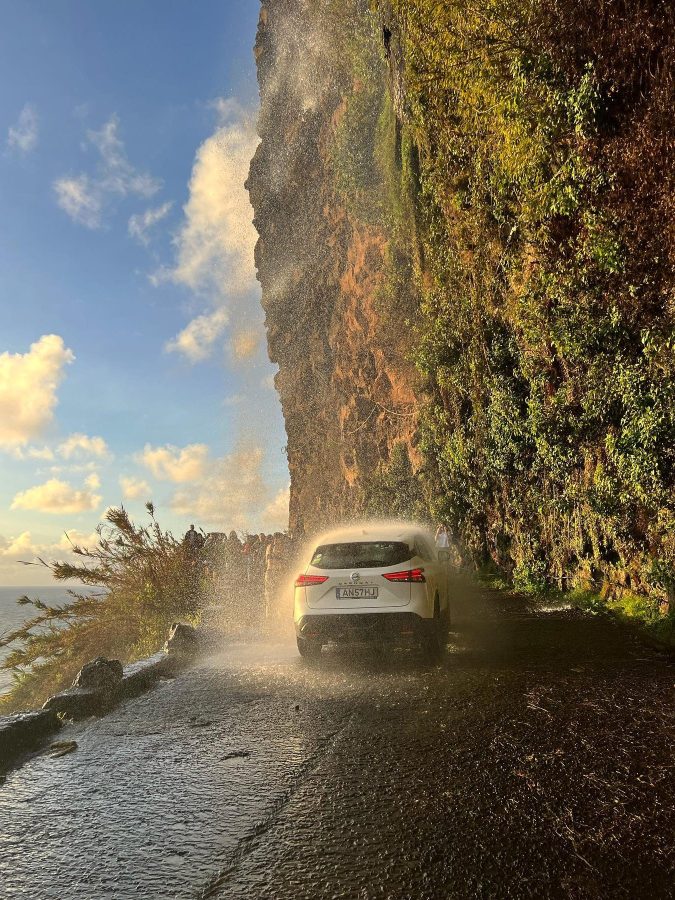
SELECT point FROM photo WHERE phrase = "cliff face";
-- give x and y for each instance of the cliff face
(504, 179)
(346, 388)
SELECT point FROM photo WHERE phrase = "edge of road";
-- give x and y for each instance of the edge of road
(95, 694)
(579, 600)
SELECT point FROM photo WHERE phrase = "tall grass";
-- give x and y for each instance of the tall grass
(136, 582)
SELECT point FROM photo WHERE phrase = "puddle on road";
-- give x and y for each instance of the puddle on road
(561, 606)
(237, 756)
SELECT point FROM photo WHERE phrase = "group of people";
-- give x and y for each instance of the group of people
(246, 575)
(249, 577)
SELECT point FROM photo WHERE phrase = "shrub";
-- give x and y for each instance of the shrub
(137, 581)
(394, 491)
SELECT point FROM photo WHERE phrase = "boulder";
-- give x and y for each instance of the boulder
(100, 675)
(24, 731)
(183, 640)
(78, 703)
(96, 688)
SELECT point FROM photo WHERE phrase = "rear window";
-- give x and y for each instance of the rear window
(361, 555)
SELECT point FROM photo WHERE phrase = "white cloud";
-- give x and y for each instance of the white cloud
(234, 494)
(275, 515)
(175, 464)
(229, 491)
(84, 197)
(245, 343)
(19, 547)
(140, 224)
(93, 481)
(81, 199)
(227, 108)
(216, 243)
(234, 400)
(134, 488)
(43, 453)
(215, 246)
(75, 467)
(40, 453)
(28, 385)
(56, 496)
(116, 173)
(196, 340)
(79, 445)
(14, 551)
(78, 538)
(24, 548)
(24, 135)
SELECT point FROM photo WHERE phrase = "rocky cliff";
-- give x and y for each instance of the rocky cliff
(502, 178)
(347, 391)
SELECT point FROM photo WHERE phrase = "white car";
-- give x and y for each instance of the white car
(373, 583)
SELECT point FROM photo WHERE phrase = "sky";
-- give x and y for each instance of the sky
(133, 364)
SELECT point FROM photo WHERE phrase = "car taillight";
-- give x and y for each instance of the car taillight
(416, 575)
(309, 580)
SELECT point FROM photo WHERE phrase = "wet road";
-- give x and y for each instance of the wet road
(536, 761)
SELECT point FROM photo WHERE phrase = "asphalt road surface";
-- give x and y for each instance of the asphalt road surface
(535, 761)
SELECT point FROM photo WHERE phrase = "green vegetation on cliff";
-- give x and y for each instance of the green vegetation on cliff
(544, 275)
(488, 188)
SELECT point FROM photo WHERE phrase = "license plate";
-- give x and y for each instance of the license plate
(356, 593)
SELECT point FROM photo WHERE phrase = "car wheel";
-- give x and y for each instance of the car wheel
(308, 648)
(446, 622)
(434, 641)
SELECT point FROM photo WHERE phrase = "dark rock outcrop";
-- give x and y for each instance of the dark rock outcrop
(183, 640)
(96, 688)
(141, 675)
(78, 703)
(101, 674)
(25, 731)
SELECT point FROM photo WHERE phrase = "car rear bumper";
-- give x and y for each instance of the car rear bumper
(394, 627)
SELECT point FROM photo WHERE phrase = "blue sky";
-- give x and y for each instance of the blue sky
(132, 357)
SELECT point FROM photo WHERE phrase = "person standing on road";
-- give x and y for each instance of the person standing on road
(277, 560)
(193, 540)
(193, 543)
(442, 537)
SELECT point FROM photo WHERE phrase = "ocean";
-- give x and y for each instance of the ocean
(11, 615)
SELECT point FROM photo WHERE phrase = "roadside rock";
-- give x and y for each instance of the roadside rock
(24, 731)
(183, 640)
(96, 688)
(78, 703)
(101, 675)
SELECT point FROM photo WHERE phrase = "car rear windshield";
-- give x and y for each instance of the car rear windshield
(361, 555)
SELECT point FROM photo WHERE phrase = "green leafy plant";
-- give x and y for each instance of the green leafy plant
(545, 335)
(395, 490)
